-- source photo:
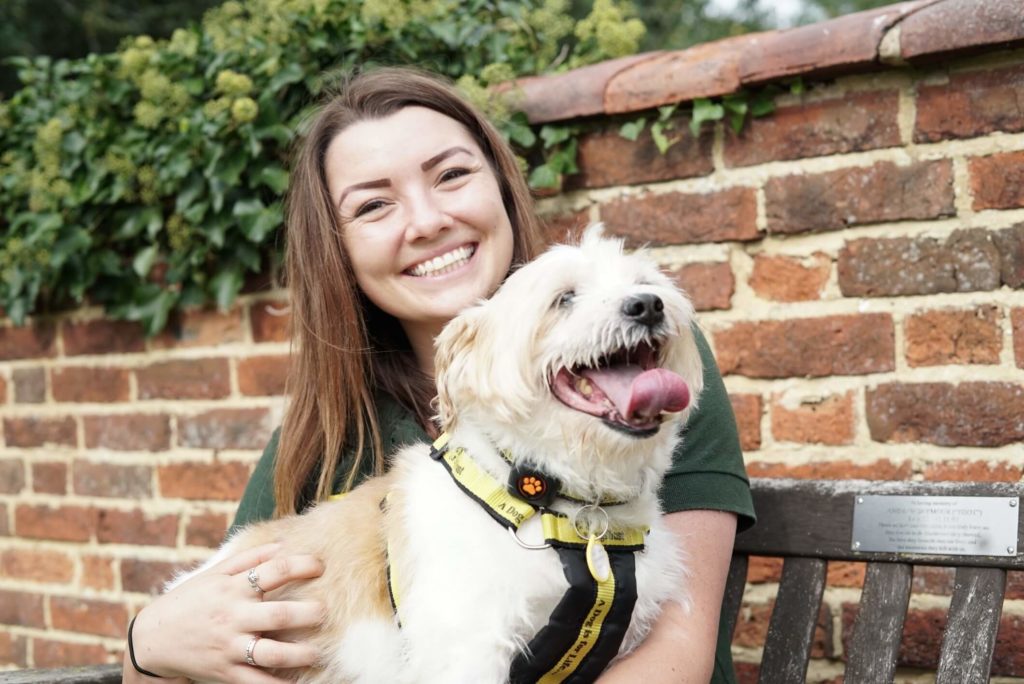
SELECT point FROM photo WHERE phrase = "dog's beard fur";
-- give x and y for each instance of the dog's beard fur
(473, 598)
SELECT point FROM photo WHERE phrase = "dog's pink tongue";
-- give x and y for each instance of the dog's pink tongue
(638, 392)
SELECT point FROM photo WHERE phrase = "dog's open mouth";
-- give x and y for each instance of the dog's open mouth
(626, 389)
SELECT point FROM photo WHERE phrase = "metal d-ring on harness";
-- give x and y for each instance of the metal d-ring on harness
(586, 628)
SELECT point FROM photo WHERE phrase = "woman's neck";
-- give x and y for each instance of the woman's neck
(421, 339)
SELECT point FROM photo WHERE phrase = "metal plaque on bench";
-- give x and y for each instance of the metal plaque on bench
(938, 525)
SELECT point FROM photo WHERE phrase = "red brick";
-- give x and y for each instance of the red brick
(968, 261)
(108, 479)
(131, 432)
(959, 26)
(675, 218)
(103, 337)
(89, 384)
(201, 328)
(22, 609)
(1009, 244)
(13, 650)
(89, 616)
(937, 581)
(764, 570)
(710, 286)
(974, 471)
(135, 527)
(819, 420)
(1008, 658)
(50, 478)
(1017, 321)
(997, 181)
(833, 470)
(33, 341)
(1015, 584)
(781, 278)
(854, 123)
(922, 638)
(846, 574)
(270, 321)
(147, 577)
(52, 653)
(206, 529)
(849, 197)
(36, 565)
(37, 432)
(262, 375)
(971, 105)
(12, 475)
(226, 429)
(944, 337)
(65, 523)
(969, 414)
(752, 627)
(747, 673)
(748, 409)
(606, 158)
(97, 572)
(563, 229)
(29, 385)
(185, 379)
(5, 525)
(3, 390)
(812, 347)
(221, 481)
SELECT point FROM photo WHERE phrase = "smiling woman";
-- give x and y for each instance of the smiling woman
(405, 207)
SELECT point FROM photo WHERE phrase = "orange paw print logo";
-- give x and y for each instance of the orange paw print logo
(531, 486)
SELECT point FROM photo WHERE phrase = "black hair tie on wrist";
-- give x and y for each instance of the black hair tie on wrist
(131, 653)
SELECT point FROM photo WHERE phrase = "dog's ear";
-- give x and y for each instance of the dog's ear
(451, 358)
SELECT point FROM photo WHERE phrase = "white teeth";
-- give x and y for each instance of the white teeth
(444, 263)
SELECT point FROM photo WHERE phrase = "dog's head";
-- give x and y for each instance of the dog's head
(585, 355)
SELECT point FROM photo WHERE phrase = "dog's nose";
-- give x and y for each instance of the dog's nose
(644, 308)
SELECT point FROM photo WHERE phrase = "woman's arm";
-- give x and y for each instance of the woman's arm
(681, 647)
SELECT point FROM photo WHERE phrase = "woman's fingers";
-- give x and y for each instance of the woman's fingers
(241, 562)
(271, 654)
(273, 573)
(274, 616)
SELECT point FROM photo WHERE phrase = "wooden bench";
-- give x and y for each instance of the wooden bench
(808, 523)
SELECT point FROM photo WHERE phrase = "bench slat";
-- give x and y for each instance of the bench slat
(874, 647)
(91, 674)
(735, 585)
(814, 518)
(970, 635)
(791, 628)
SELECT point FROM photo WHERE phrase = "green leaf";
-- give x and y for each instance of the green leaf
(544, 177)
(667, 111)
(631, 130)
(226, 285)
(658, 135)
(274, 177)
(143, 261)
(552, 135)
(292, 73)
(704, 110)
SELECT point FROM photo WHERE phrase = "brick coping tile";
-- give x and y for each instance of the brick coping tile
(912, 32)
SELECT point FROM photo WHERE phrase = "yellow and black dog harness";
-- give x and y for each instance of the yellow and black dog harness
(586, 628)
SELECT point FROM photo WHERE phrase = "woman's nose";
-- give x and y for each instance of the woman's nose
(427, 218)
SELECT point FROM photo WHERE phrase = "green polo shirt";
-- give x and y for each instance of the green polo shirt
(707, 472)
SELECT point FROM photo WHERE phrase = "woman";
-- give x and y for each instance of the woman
(406, 206)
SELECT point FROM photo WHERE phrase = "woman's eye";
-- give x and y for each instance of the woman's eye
(452, 174)
(370, 206)
(565, 299)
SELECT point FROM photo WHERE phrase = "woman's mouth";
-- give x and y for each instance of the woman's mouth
(446, 263)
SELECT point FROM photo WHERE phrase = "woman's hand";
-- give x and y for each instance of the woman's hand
(202, 629)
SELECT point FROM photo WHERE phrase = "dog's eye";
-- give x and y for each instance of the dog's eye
(565, 299)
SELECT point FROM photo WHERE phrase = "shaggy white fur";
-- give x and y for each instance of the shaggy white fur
(513, 373)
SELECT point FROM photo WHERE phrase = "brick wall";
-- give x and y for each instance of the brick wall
(857, 260)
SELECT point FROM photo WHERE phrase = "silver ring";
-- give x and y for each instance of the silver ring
(254, 581)
(249, 649)
(589, 523)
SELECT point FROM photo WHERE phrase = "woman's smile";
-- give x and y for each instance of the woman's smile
(444, 264)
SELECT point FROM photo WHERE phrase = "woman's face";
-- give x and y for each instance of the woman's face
(421, 214)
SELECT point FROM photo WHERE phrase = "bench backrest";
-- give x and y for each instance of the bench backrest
(810, 522)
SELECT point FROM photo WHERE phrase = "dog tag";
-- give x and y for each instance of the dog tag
(597, 560)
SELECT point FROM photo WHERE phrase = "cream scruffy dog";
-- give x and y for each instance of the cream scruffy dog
(562, 399)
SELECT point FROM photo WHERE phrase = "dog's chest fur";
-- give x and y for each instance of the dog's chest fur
(470, 596)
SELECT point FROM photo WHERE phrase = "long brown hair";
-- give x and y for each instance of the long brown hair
(343, 346)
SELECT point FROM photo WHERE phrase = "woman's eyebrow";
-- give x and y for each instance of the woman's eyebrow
(438, 158)
(368, 185)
